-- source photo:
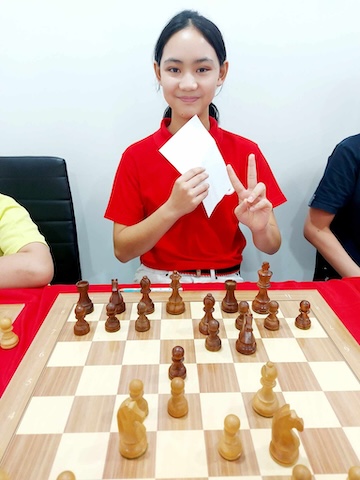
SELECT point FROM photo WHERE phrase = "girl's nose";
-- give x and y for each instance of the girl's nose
(188, 82)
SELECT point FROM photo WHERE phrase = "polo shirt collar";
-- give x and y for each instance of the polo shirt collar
(163, 134)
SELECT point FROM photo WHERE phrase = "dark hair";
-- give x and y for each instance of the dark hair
(206, 27)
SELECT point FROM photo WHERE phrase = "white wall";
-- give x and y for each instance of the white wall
(76, 81)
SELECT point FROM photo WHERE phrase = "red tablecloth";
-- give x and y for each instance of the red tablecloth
(343, 296)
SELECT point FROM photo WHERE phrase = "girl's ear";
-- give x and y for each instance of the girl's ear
(223, 72)
(157, 72)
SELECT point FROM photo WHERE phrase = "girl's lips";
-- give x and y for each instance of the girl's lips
(188, 99)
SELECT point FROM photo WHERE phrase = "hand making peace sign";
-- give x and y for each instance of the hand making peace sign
(254, 209)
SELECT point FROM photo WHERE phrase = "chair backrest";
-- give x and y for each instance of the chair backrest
(42, 186)
(323, 270)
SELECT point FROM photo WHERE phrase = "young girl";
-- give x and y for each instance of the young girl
(158, 214)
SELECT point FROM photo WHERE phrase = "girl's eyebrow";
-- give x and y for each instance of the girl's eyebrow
(200, 60)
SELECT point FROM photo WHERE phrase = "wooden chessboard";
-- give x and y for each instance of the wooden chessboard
(59, 411)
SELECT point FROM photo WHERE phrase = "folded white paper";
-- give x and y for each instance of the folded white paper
(193, 146)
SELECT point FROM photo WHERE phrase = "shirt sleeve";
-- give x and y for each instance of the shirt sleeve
(17, 229)
(125, 205)
(338, 182)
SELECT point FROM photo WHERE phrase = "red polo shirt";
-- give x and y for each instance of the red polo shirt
(143, 182)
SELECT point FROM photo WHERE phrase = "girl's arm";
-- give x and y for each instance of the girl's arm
(188, 192)
(317, 232)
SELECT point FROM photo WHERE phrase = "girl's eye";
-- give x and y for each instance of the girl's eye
(173, 70)
(203, 70)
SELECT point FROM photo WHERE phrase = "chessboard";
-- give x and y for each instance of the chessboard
(59, 411)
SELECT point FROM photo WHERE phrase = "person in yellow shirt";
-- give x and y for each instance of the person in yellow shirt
(25, 257)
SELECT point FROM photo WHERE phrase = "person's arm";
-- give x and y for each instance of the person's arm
(188, 192)
(31, 266)
(317, 232)
(255, 210)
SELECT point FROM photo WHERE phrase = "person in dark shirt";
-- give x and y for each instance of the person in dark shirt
(332, 224)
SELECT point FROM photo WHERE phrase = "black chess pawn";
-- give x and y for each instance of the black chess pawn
(145, 290)
(246, 343)
(116, 297)
(242, 309)
(303, 321)
(112, 323)
(177, 368)
(213, 341)
(142, 323)
(229, 303)
(271, 322)
(209, 302)
(81, 326)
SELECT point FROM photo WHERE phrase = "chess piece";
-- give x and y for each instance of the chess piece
(229, 303)
(175, 304)
(271, 322)
(303, 321)
(284, 445)
(260, 303)
(9, 338)
(301, 472)
(116, 297)
(4, 475)
(81, 326)
(112, 323)
(66, 475)
(242, 309)
(246, 343)
(177, 405)
(177, 368)
(84, 299)
(209, 302)
(136, 392)
(265, 402)
(230, 446)
(145, 290)
(213, 341)
(142, 323)
(354, 473)
(132, 433)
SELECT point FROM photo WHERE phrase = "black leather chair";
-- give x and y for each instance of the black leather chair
(42, 186)
(323, 269)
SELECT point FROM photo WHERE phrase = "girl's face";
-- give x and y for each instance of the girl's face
(189, 74)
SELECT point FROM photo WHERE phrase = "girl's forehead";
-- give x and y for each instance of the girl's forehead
(188, 42)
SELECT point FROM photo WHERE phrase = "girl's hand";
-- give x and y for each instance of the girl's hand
(254, 209)
(189, 190)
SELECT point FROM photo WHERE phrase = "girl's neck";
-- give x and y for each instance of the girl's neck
(178, 122)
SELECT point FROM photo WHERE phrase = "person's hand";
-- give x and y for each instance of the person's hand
(189, 190)
(254, 209)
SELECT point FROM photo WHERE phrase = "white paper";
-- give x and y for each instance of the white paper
(193, 146)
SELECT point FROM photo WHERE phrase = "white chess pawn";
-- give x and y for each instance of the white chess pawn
(354, 473)
(177, 405)
(301, 472)
(9, 339)
(230, 446)
(4, 475)
(66, 475)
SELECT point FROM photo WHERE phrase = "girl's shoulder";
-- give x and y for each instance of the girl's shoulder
(228, 136)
